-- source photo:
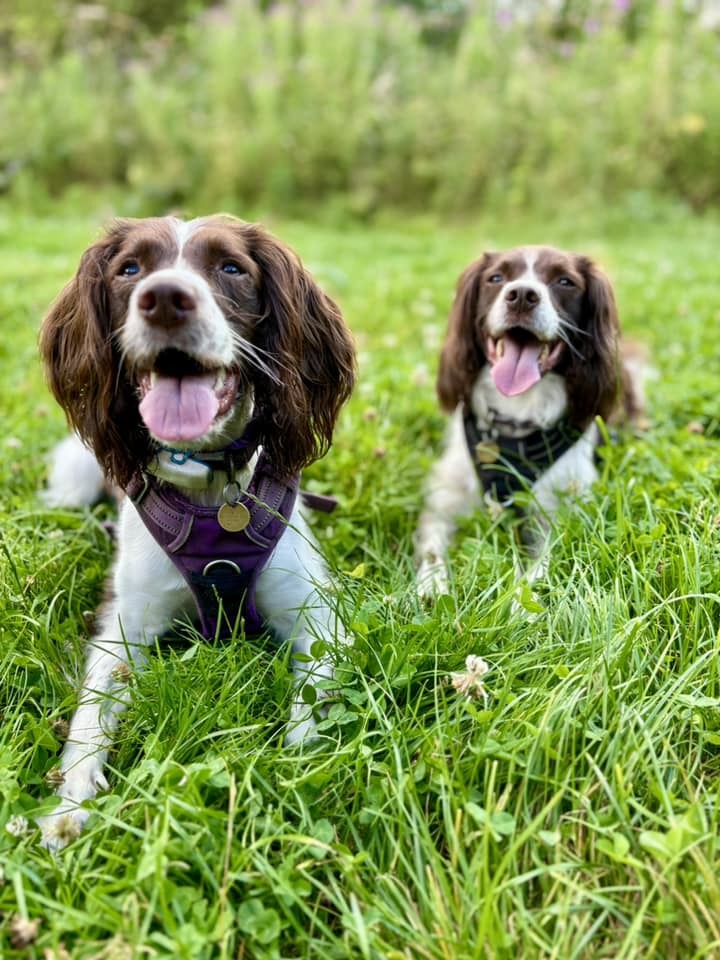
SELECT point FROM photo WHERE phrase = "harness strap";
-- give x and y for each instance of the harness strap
(505, 465)
(221, 567)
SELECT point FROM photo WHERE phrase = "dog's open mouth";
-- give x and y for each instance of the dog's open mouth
(181, 398)
(520, 359)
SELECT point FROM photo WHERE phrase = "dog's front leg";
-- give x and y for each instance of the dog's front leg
(147, 593)
(451, 493)
(104, 694)
(292, 595)
(534, 535)
(316, 623)
(572, 475)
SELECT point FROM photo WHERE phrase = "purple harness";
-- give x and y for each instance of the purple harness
(221, 567)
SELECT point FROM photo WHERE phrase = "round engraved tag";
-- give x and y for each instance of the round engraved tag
(233, 517)
(487, 452)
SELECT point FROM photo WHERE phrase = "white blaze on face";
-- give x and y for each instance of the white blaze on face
(181, 405)
(518, 354)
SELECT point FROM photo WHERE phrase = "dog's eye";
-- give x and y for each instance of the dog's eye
(565, 282)
(231, 267)
(496, 278)
(129, 269)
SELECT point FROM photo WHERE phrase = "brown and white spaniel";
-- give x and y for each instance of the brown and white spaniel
(530, 360)
(203, 368)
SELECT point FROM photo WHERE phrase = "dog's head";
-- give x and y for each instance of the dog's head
(173, 332)
(527, 312)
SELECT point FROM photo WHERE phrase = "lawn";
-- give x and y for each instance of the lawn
(572, 814)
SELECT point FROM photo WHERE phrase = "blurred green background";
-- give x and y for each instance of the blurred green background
(311, 107)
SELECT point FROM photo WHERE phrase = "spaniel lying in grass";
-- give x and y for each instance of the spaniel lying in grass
(203, 367)
(531, 359)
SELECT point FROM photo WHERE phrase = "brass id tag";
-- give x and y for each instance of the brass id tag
(233, 517)
(487, 452)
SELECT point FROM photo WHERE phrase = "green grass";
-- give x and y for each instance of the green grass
(574, 814)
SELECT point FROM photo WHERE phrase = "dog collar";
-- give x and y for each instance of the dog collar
(193, 470)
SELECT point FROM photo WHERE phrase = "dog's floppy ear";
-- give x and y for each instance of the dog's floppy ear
(593, 374)
(463, 354)
(310, 354)
(83, 364)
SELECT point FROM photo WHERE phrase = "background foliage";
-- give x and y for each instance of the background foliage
(443, 106)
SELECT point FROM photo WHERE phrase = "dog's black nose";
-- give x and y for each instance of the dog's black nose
(166, 304)
(522, 298)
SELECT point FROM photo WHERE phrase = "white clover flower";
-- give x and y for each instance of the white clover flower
(469, 683)
(23, 932)
(63, 830)
(420, 377)
(17, 826)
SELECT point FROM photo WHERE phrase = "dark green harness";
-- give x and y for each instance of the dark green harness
(505, 465)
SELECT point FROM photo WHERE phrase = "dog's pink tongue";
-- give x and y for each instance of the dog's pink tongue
(518, 368)
(180, 408)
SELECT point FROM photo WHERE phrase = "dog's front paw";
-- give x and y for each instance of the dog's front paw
(67, 820)
(63, 825)
(432, 579)
(302, 725)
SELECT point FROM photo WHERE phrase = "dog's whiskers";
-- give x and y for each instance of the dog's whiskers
(565, 324)
(250, 353)
(571, 346)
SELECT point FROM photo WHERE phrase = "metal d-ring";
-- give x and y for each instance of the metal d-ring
(220, 563)
(232, 485)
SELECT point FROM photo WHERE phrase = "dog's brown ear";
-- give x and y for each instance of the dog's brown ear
(463, 354)
(593, 375)
(310, 355)
(83, 364)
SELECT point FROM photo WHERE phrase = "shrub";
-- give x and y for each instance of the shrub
(301, 103)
